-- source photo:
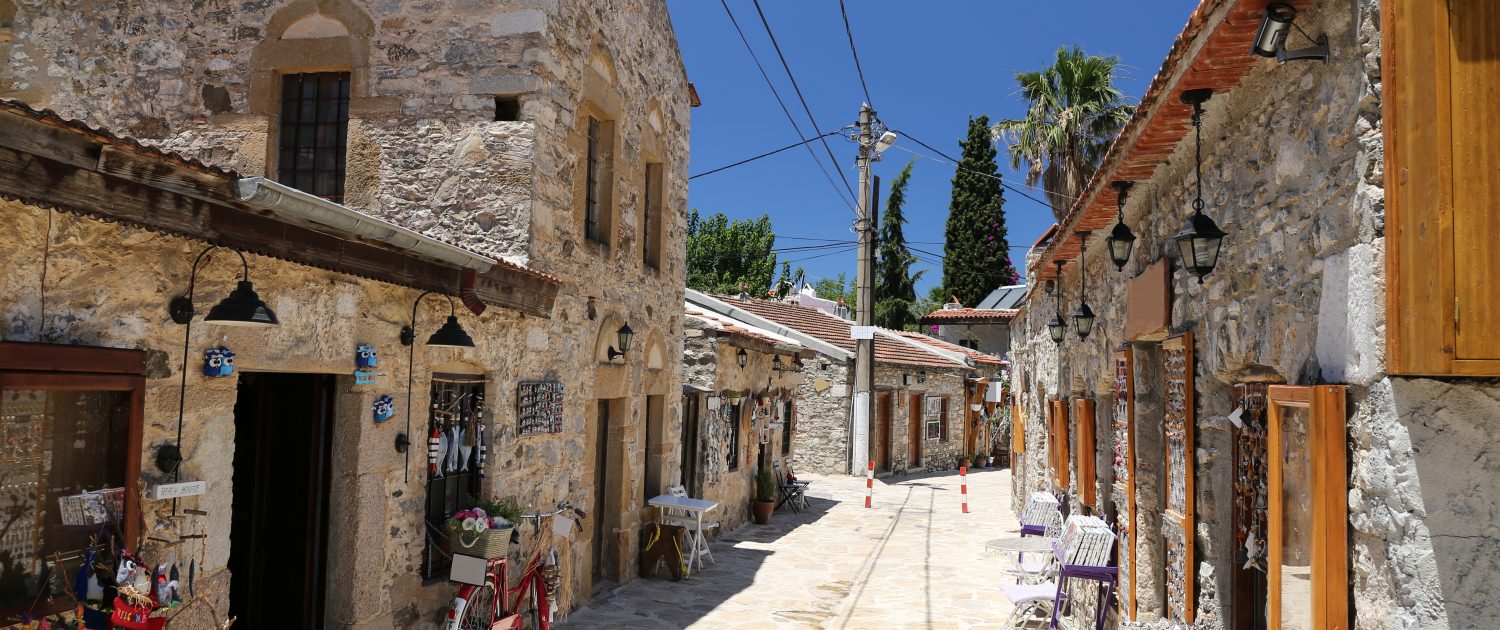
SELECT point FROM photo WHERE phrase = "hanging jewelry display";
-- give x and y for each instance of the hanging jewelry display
(1177, 523)
(1250, 474)
(456, 423)
(1124, 451)
(539, 407)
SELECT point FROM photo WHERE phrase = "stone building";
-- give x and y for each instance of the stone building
(1305, 436)
(740, 407)
(922, 392)
(984, 327)
(543, 141)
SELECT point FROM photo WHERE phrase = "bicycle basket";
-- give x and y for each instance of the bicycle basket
(488, 544)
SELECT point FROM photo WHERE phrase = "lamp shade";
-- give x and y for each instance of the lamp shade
(1083, 320)
(1199, 242)
(743, 357)
(1120, 241)
(242, 308)
(451, 335)
(1057, 329)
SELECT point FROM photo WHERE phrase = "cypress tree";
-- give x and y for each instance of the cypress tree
(976, 254)
(895, 287)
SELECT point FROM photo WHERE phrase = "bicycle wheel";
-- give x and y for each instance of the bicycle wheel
(480, 613)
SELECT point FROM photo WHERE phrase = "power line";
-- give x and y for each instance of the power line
(845, 250)
(795, 88)
(855, 52)
(763, 155)
(950, 160)
(798, 128)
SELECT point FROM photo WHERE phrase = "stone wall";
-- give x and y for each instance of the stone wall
(936, 454)
(822, 424)
(1293, 171)
(424, 151)
(993, 338)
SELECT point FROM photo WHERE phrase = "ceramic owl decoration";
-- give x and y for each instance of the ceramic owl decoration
(384, 407)
(365, 356)
(218, 362)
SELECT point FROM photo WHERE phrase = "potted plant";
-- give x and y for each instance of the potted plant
(765, 497)
(964, 461)
(981, 459)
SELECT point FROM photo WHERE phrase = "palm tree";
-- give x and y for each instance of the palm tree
(1074, 113)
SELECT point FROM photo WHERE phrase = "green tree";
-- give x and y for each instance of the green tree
(934, 300)
(976, 254)
(895, 286)
(1074, 112)
(722, 254)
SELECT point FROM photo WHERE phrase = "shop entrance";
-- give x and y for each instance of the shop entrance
(283, 425)
(914, 433)
(606, 497)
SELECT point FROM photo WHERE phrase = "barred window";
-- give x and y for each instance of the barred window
(314, 132)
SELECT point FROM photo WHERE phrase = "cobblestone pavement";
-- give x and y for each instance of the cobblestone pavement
(914, 561)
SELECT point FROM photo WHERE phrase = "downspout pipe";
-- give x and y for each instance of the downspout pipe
(300, 207)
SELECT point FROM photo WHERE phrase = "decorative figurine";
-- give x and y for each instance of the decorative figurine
(434, 445)
(384, 408)
(218, 362)
(365, 356)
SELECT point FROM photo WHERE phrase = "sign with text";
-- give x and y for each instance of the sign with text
(861, 332)
(179, 490)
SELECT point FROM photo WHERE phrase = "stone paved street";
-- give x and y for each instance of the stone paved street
(915, 561)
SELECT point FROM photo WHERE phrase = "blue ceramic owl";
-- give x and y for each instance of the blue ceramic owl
(365, 356)
(218, 362)
(384, 408)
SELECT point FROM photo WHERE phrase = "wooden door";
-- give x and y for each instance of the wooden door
(883, 433)
(914, 434)
(1308, 557)
(1474, 27)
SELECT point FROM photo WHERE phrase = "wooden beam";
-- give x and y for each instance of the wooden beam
(48, 357)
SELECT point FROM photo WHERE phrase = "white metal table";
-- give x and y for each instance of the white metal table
(1017, 548)
(695, 509)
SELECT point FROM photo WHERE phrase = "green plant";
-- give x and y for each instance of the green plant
(765, 486)
(505, 507)
(980, 456)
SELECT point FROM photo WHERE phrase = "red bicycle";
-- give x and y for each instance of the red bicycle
(534, 597)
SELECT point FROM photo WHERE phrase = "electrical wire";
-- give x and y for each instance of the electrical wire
(855, 52)
(848, 202)
(949, 160)
(795, 88)
(845, 250)
(763, 155)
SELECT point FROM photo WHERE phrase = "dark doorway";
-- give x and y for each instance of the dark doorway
(655, 428)
(882, 441)
(282, 439)
(605, 518)
(690, 444)
(914, 432)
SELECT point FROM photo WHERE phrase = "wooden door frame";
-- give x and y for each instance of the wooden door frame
(1326, 430)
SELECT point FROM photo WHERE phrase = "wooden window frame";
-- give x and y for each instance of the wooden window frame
(1057, 441)
(88, 368)
(1329, 496)
(1083, 414)
(1423, 311)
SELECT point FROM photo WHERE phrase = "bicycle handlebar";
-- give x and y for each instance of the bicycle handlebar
(561, 507)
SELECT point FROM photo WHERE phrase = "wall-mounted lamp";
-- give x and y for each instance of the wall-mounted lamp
(1270, 40)
(624, 335)
(1121, 239)
(922, 376)
(1056, 328)
(1200, 237)
(449, 335)
(742, 357)
(242, 307)
(777, 365)
(1083, 317)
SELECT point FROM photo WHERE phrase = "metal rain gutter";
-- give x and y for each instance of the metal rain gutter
(301, 207)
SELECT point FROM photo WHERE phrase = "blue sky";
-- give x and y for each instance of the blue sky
(929, 66)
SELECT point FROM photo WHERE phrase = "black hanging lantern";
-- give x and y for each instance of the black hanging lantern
(1083, 316)
(1056, 327)
(1200, 238)
(1121, 239)
(743, 357)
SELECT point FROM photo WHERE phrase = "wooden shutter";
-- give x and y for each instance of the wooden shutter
(1442, 144)
(1083, 412)
(1017, 432)
(1057, 441)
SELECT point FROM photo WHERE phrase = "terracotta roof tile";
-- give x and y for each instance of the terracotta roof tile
(816, 323)
(969, 314)
(740, 329)
(978, 357)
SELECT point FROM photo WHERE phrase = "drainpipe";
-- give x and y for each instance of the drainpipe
(300, 207)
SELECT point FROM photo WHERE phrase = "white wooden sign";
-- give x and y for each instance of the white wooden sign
(179, 490)
(861, 332)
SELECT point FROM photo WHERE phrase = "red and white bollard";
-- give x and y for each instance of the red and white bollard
(869, 483)
(963, 485)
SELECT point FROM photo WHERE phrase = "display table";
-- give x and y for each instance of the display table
(693, 509)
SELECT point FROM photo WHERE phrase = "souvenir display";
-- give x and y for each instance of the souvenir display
(1250, 475)
(384, 408)
(1178, 521)
(539, 407)
(365, 361)
(218, 362)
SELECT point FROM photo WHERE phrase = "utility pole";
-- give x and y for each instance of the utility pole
(864, 296)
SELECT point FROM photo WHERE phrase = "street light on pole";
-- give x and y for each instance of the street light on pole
(863, 414)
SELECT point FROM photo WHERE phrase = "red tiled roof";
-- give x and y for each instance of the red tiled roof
(830, 329)
(969, 314)
(978, 357)
(740, 329)
(1162, 120)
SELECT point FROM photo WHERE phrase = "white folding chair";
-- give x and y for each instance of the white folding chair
(698, 549)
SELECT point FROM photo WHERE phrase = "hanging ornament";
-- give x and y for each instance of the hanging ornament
(384, 409)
